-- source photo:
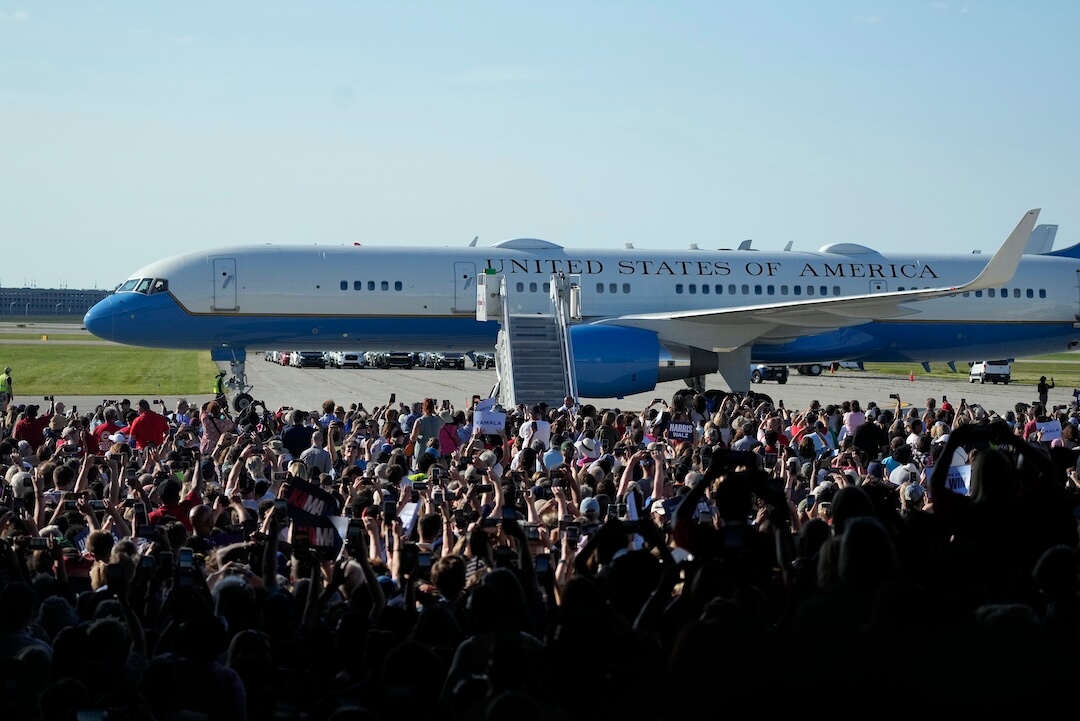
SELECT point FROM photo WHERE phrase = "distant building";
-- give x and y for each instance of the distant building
(18, 303)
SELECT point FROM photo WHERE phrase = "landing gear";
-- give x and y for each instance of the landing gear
(238, 382)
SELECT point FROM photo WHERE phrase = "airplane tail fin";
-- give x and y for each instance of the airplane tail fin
(1041, 240)
(1003, 265)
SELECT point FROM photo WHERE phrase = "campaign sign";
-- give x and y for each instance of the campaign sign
(492, 422)
(959, 479)
(312, 512)
(679, 431)
(1049, 431)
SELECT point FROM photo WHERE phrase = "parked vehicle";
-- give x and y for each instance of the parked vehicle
(283, 357)
(484, 360)
(995, 371)
(451, 360)
(349, 359)
(762, 372)
(308, 359)
(400, 359)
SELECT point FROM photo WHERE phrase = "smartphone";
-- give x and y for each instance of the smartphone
(97, 504)
(148, 563)
(475, 400)
(420, 485)
(532, 532)
(437, 496)
(114, 576)
(39, 543)
(389, 510)
(165, 558)
(140, 514)
(129, 502)
(423, 562)
(485, 488)
(573, 532)
(354, 534)
(70, 506)
(543, 563)
(770, 460)
(280, 476)
(490, 522)
(186, 558)
(393, 397)
(281, 509)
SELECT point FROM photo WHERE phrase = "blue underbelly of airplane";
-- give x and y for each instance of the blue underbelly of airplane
(158, 321)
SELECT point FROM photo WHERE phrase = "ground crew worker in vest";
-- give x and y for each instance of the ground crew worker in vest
(219, 389)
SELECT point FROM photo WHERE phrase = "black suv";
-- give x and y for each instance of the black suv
(400, 359)
(450, 360)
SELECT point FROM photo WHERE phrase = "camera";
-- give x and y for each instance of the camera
(49, 398)
(894, 396)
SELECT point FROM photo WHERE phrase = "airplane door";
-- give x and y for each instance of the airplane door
(465, 288)
(225, 284)
(879, 286)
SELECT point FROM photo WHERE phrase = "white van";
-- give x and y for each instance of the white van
(995, 371)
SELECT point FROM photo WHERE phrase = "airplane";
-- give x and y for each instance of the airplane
(648, 316)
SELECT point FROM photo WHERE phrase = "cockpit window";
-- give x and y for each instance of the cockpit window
(144, 285)
(128, 285)
(160, 286)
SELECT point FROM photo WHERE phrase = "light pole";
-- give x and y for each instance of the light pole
(27, 310)
(58, 306)
(11, 308)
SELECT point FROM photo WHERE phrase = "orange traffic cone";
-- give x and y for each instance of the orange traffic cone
(911, 376)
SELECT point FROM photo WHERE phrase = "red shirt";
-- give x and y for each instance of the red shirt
(180, 511)
(149, 429)
(32, 430)
(101, 434)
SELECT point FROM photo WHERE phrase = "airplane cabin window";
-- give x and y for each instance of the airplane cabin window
(745, 289)
(614, 287)
(397, 285)
(757, 290)
(547, 287)
(1042, 292)
(693, 289)
(783, 290)
(719, 289)
(835, 290)
(1030, 294)
(771, 289)
(385, 285)
(532, 287)
(128, 285)
(704, 288)
(731, 289)
(371, 285)
(796, 289)
(625, 287)
(991, 292)
(678, 288)
(520, 287)
(967, 294)
(599, 287)
(344, 285)
(144, 285)
(978, 294)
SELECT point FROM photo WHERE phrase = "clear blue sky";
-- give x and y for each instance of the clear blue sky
(134, 130)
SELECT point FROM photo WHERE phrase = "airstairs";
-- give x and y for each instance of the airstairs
(533, 353)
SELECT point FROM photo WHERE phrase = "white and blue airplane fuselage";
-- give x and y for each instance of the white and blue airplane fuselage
(640, 307)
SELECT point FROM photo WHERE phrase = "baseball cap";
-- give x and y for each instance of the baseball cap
(875, 470)
(589, 505)
(914, 492)
(118, 437)
(567, 446)
(658, 507)
(8, 369)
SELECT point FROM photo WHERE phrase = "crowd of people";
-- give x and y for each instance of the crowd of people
(416, 562)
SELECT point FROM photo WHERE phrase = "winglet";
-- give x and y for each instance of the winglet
(1003, 265)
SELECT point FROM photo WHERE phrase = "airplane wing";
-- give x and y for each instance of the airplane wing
(723, 329)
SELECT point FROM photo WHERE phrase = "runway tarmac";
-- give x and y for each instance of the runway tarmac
(308, 387)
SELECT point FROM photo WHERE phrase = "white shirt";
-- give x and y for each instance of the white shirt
(542, 433)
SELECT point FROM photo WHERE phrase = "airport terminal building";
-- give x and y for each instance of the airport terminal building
(66, 303)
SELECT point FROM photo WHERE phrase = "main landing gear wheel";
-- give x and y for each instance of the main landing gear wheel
(241, 402)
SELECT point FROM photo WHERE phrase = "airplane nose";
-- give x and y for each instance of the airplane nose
(99, 319)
